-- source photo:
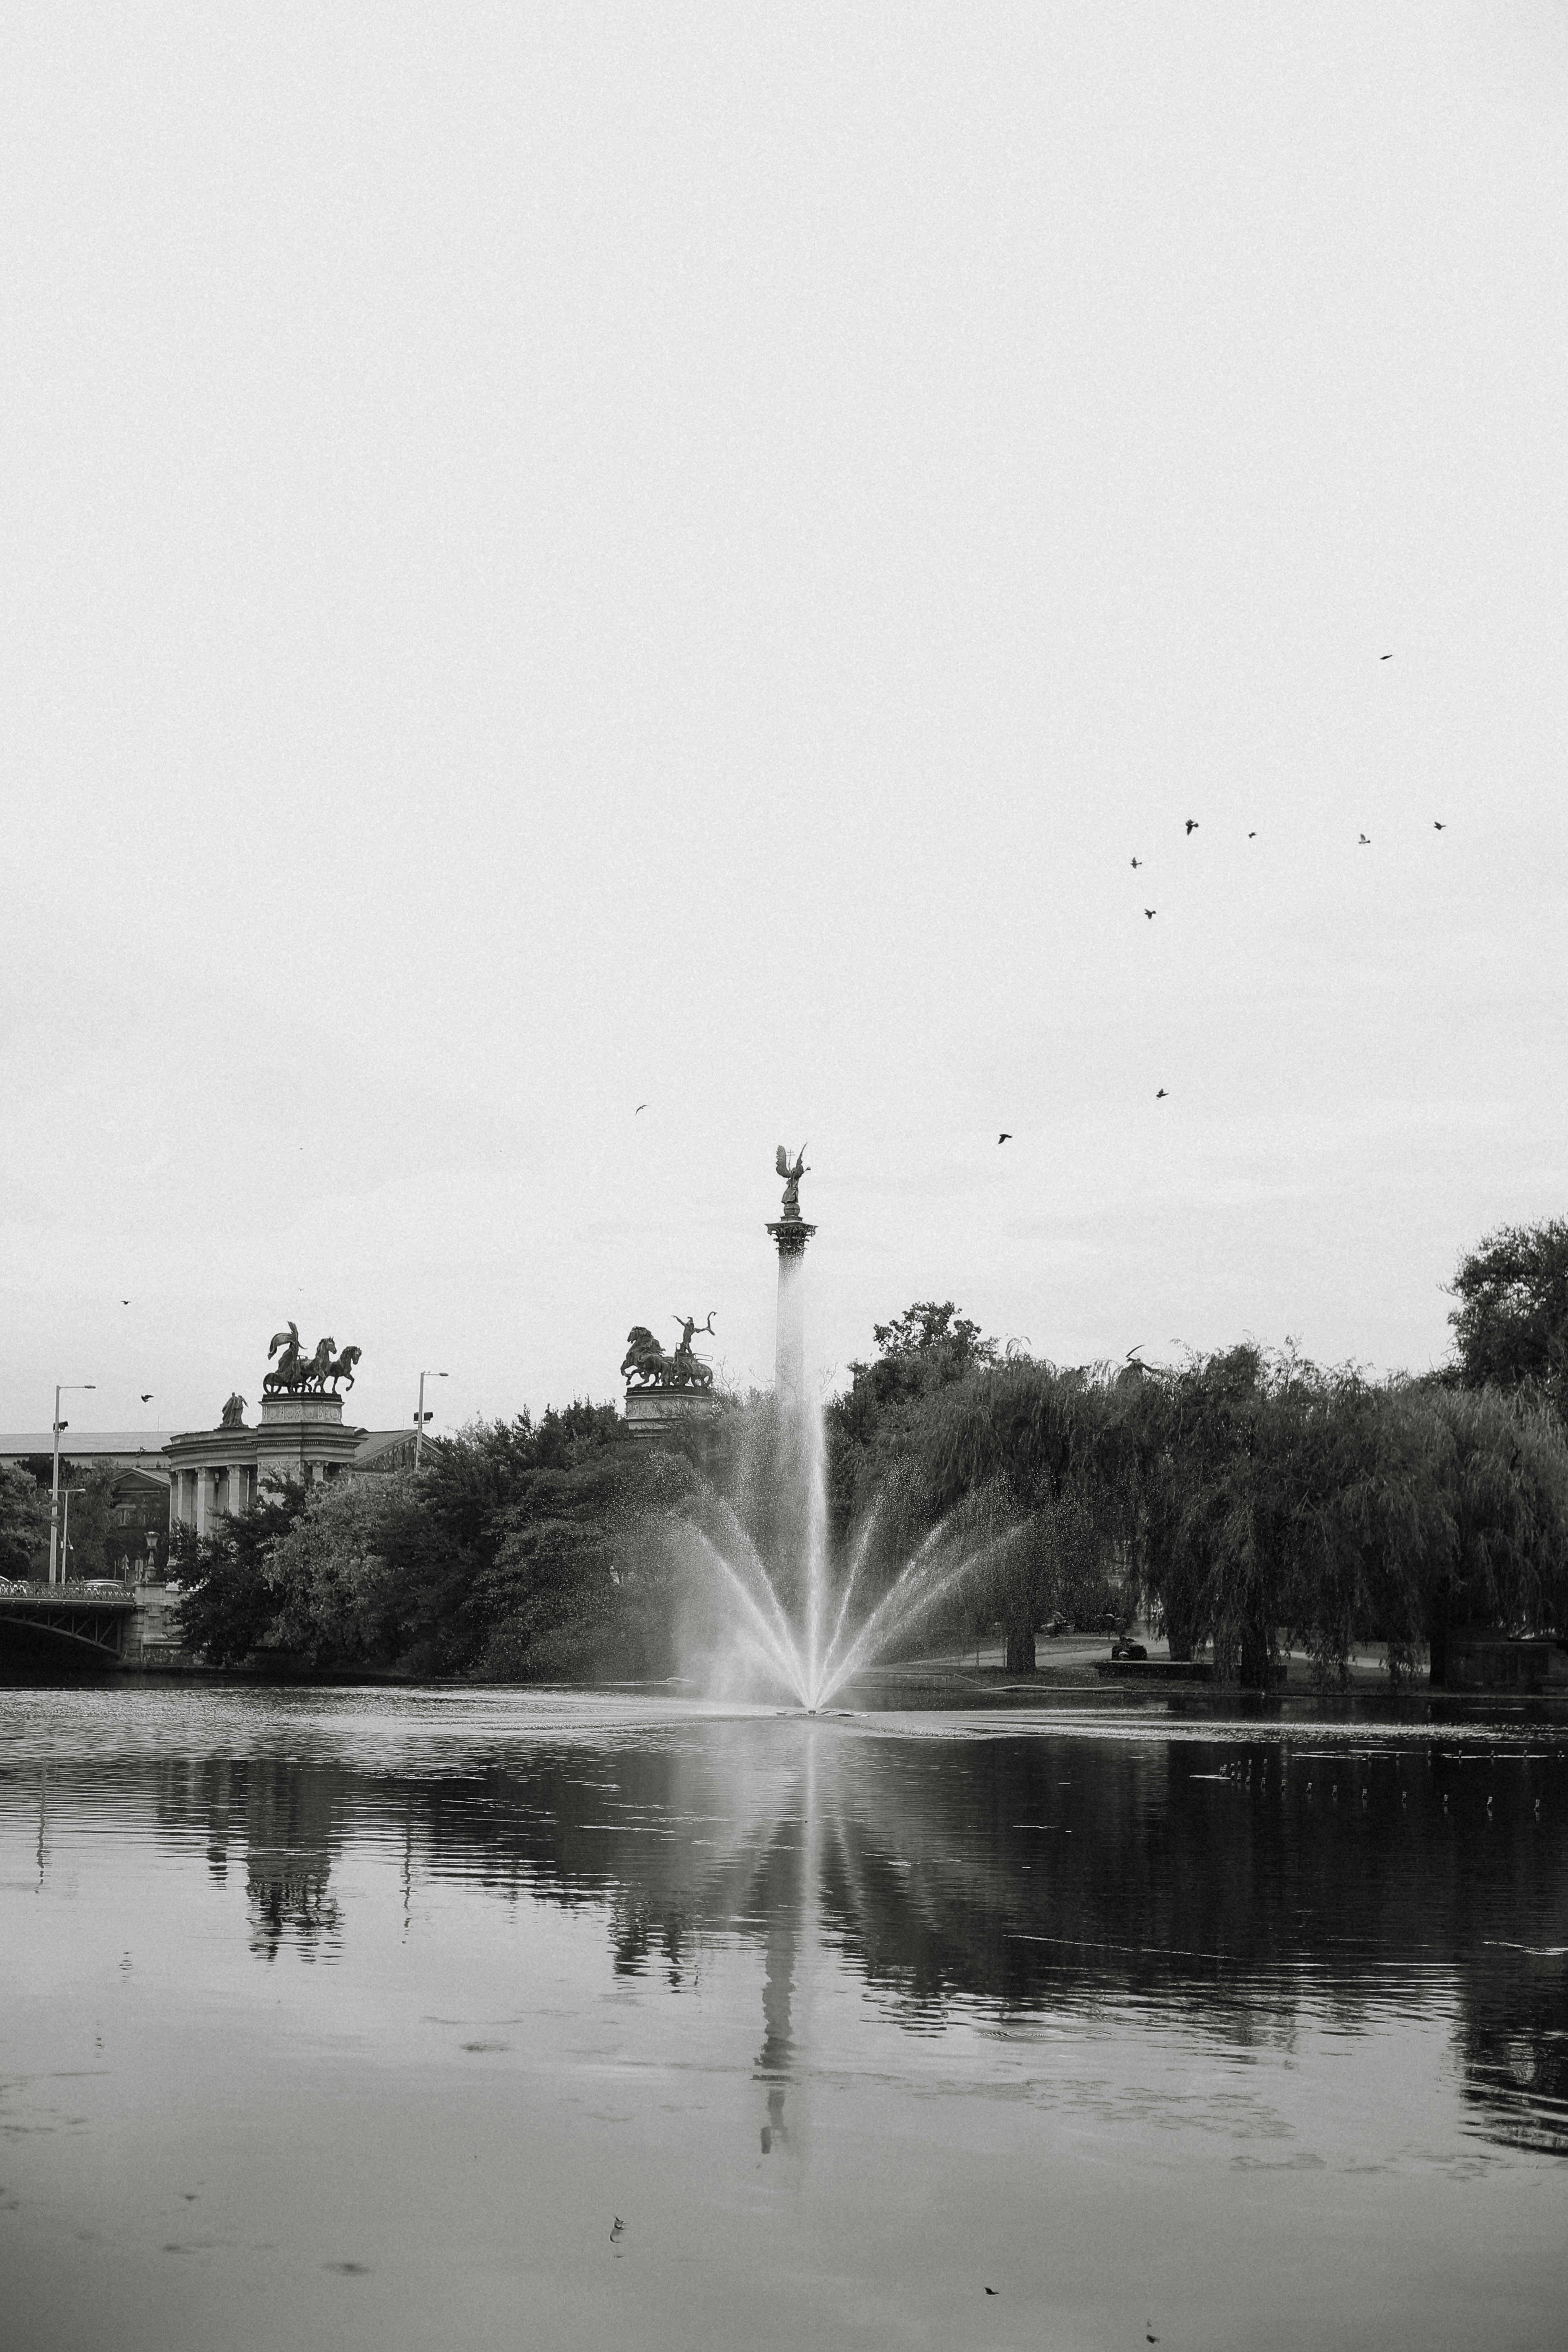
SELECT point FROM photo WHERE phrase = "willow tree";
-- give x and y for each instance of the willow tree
(1034, 1441)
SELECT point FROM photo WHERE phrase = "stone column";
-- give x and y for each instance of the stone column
(792, 1235)
(201, 1514)
(238, 1496)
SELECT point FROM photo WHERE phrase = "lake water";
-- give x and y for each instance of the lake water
(452, 2020)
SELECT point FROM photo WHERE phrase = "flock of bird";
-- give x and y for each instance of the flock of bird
(1190, 826)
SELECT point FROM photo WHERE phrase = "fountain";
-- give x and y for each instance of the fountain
(791, 1619)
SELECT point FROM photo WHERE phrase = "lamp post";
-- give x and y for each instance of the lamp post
(62, 1389)
(419, 1418)
(66, 1533)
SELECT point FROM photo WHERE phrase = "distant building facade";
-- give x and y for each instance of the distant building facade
(214, 1473)
(136, 1541)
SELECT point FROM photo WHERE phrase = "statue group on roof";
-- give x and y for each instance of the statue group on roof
(299, 1372)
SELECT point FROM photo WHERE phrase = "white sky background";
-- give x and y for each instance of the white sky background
(558, 556)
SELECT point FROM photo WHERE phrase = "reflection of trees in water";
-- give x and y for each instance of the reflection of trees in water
(283, 1815)
(1227, 1884)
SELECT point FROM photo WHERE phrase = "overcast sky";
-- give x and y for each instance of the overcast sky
(557, 557)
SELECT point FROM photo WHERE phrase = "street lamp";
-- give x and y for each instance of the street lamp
(421, 1417)
(62, 1389)
(66, 1533)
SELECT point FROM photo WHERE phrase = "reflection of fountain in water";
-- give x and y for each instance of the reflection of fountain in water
(791, 1608)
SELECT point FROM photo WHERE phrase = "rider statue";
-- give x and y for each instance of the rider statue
(300, 1369)
(647, 1365)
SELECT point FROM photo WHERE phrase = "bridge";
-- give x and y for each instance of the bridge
(132, 1626)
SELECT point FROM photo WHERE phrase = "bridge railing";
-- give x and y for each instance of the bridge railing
(81, 1591)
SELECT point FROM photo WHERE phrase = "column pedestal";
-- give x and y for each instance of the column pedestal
(792, 1235)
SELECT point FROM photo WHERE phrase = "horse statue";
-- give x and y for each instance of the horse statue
(645, 1362)
(318, 1367)
(287, 1373)
(342, 1368)
(647, 1365)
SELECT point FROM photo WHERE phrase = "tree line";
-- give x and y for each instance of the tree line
(1248, 1501)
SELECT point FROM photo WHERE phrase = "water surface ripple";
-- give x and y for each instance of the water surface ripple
(335, 2018)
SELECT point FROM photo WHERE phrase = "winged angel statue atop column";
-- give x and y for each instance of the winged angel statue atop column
(791, 1170)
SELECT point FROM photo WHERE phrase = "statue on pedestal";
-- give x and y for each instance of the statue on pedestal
(791, 1170)
(648, 1366)
(234, 1412)
(298, 1372)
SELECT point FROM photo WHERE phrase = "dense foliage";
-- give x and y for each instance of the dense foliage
(24, 1524)
(1251, 1500)
(25, 1515)
(1510, 1327)
(1246, 1502)
(524, 1550)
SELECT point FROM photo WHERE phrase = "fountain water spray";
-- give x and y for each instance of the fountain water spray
(804, 1638)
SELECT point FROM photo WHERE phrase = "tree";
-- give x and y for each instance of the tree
(583, 1580)
(928, 1347)
(91, 1505)
(91, 1510)
(228, 1607)
(333, 1592)
(24, 1524)
(1510, 1327)
(1025, 1446)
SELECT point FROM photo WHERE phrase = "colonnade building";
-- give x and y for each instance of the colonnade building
(221, 1471)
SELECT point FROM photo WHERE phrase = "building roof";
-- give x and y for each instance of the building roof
(84, 1444)
(377, 1443)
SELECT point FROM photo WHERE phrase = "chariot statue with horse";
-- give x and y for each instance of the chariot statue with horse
(648, 1366)
(302, 1372)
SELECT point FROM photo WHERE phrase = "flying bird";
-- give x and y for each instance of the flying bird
(1439, 826)
(1385, 658)
(1006, 1137)
(147, 1397)
(125, 1302)
(1137, 862)
(1192, 824)
(1149, 912)
(1252, 836)
(640, 1107)
(615, 2232)
(990, 2290)
(1161, 1096)
(1362, 842)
